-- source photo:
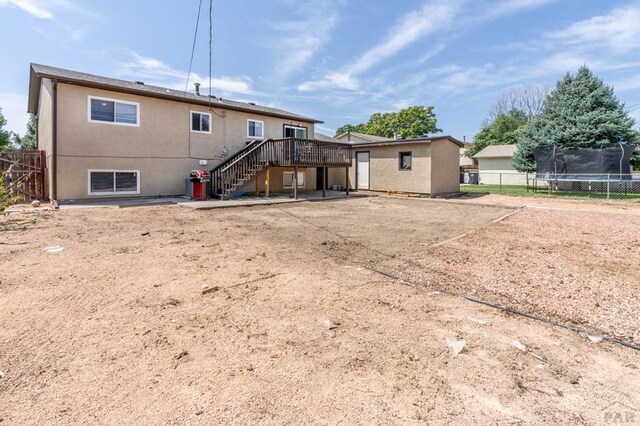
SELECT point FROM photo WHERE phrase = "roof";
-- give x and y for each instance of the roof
(39, 72)
(322, 137)
(372, 138)
(497, 151)
(415, 141)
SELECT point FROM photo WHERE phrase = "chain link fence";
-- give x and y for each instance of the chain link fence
(596, 186)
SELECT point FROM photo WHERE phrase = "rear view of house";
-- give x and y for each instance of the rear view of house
(105, 137)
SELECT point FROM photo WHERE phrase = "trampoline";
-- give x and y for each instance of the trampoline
(585, 170)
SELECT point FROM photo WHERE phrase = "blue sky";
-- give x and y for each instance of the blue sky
(335, 60)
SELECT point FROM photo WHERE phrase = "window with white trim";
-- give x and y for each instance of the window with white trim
(109, 182)
(295, 132)
(255, 129)
(200, 122)
(113, 111)
(287, 179)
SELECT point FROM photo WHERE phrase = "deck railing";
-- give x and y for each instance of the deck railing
(287, 152)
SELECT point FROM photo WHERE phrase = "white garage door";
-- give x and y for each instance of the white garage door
(362, 168)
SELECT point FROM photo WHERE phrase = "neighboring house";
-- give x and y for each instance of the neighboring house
(105, 137)
(423, 165)
(495, 166)
(465, 162)
(355, 138)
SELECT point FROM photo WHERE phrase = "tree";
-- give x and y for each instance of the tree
(30, 139)
(4, 134)
(530, 100)
(412, 122)
(582, 112)
(503, 130)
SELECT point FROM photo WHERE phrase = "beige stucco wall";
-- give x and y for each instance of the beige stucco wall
(45, 125)
(434, 170)
(494, 171)
(384, 168)
(445, 167)
(163, 148)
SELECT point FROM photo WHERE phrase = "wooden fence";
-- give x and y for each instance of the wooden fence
(27, 174)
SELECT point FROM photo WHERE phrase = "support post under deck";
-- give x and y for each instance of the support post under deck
(295, 182)
(346, 183)
(324, 181)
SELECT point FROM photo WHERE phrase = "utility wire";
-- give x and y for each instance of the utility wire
(193, 48)
(210, 43)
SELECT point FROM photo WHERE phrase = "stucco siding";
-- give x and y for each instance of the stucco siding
(162, 147)
(45, 126)
(445, 167)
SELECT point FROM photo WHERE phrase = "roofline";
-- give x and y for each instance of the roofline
(359, 135)
(34, 85)
(413, 141)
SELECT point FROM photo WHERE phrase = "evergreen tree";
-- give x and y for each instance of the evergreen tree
(582, 112)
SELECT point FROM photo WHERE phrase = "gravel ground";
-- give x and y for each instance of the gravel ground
(300, 328)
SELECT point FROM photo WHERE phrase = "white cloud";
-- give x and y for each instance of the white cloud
(14, 109)
(304, 35)
(42, 9)
(156, 72)
(410, 28)
(618, 30)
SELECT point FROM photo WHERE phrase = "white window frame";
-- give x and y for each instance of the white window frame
(262, 127)
(300, 181)
(115, 101)
(114, 171)
(201, 113)
(290, 126)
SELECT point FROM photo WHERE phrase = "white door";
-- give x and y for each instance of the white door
(362, 169)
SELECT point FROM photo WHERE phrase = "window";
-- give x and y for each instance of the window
(109, 182)
(255, 129)
(295, 132)
(103, 110)
(405, 161)
(287, 179)
(200, 122)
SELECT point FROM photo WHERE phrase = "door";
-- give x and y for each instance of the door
(362, 170)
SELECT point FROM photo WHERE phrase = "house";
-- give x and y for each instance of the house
(355, 137)
(495, 166)
(421, 165)
(466, 162)
(105, 137)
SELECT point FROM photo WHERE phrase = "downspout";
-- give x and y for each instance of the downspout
(54, 146)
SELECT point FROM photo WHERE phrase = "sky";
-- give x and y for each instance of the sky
(335, 60)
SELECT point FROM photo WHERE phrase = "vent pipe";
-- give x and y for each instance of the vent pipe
(197, 88)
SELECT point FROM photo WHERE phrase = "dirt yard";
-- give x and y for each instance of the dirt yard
(327, 312)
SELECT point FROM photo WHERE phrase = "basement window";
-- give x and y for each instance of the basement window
(112, 182)
(405, 161)
(104, 110)
(287, 179)
(200, 122)
(255, 129)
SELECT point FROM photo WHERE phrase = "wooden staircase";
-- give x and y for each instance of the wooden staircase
(249, 163)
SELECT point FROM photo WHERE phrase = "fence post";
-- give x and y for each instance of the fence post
(608, 184)
(500, 182)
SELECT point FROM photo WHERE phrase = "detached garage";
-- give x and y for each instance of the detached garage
(427, 166)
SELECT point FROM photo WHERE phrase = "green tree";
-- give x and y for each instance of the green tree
(582, 112)
(30, 139)
(4, 134)
(412, 122)
(503, 130)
